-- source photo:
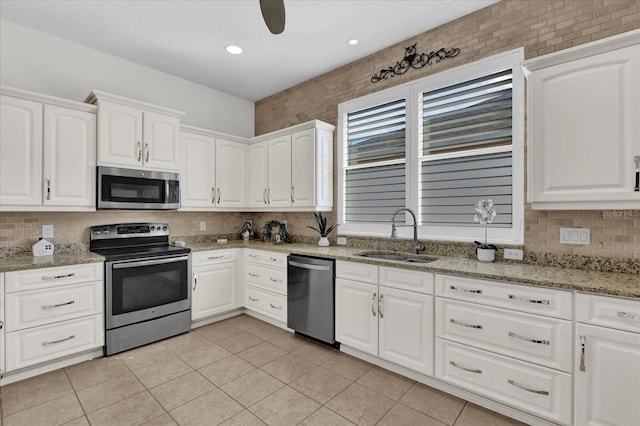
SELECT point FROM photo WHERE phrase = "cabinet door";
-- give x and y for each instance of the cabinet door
(69, 162)
(279, 169)
(257, 182)
(119, 135)
(20, 152)
(357, 315)
(213, 290)
(161, 150)
(406, 329)
(1, 322)
(230, 166)
(303, 168)
(607, 376)
(197, 174)
(584, 132)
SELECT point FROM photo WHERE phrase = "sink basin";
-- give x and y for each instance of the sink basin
(398, 257)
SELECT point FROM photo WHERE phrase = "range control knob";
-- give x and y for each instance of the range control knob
(153, 228)
(164, 228)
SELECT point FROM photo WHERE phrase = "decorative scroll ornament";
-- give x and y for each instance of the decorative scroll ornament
(414, 60)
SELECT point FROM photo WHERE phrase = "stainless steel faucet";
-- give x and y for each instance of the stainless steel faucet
(416, 246)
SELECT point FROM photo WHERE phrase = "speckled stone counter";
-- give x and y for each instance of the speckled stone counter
(21, 262)
(608, 283)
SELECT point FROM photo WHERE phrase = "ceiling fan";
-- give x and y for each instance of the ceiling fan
(273, 14)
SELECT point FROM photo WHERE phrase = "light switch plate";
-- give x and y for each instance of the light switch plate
(577, 236)
(203, 226)
(47, 231)
(342, 241)
(513, 254)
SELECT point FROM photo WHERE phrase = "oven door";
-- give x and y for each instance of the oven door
(140, 290)
(137, 189)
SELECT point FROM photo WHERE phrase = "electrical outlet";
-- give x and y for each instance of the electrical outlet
(513, 254)
(47, 231)
(284, 222)
(203, 226)
(342, 241)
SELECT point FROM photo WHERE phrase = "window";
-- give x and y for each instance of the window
(437, 145)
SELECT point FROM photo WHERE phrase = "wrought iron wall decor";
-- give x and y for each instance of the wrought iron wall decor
(414, 60)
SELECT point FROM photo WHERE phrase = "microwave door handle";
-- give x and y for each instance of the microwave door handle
(126, 265)
(166, 191)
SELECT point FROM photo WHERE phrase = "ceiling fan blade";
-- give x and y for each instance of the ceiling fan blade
(273, 14)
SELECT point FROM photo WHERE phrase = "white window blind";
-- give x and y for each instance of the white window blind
(374, 179)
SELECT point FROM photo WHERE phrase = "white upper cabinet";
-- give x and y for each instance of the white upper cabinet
(583, 128)
(279, 171)
(212, 171)
(136, 135)
(47, 153)
(257, 172)
(303, 159)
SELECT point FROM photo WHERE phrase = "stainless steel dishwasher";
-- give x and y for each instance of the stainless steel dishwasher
(310, 297)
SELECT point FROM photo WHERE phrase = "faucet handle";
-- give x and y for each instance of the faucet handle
(419, 247)
(393, 230)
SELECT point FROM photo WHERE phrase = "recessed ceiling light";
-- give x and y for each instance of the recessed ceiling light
(353, 42)
(234, 50)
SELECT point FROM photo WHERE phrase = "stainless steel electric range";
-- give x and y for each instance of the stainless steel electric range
(147, 289)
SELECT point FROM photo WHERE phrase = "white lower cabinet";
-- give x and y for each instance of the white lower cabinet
(607, 361)
(213, 285)
(395, 325)
(265, 279)
(52, 313)
(267, 303)
(2, 323)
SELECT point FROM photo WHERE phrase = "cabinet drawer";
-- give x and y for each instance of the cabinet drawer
(213, 256)
(538, 390)
(39, 307)
(33, 279)
(542, 340)
(267, 303)
(266, 257)
(522, 298)
(41, 344)
(273, 279)
(404, 279)
(357, 271)
(622, 314)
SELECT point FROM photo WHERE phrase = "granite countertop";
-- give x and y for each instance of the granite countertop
(607, 283)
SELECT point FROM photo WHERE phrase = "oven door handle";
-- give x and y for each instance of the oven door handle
(147, 262)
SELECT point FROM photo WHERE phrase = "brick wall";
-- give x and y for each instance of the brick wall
(541, 27)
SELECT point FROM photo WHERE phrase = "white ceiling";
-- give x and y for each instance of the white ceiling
(188, 38)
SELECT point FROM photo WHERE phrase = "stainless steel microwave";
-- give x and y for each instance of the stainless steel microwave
(137, 189)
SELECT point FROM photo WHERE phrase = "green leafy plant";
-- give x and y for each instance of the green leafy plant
(322, 225)
(485, 213)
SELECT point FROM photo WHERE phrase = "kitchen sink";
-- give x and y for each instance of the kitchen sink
(397, 257)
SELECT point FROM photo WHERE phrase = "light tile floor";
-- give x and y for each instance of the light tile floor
(240, 371)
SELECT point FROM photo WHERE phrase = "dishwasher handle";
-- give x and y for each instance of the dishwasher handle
(308, 266)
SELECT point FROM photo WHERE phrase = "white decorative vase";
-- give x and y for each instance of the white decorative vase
(323, 242)
(486, 255)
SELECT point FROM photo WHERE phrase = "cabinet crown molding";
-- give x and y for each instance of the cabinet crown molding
(96, 96)
(46, 99)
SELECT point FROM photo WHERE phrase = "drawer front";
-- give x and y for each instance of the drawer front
(39, 307)
(273, 279)
(522, 298)
(545, 341)
(622, 314)
(538, 390)
(213, 256)
(266, 258)
(46, 343)
(34, 279)
(267, 303)
(357, 272)
(404, 279)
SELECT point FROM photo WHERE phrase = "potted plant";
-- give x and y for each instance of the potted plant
(322, 229)
(485, 213)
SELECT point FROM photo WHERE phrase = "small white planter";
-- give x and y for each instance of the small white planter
(486, 255)
(323, 242)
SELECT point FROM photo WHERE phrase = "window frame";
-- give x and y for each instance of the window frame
(411, 91)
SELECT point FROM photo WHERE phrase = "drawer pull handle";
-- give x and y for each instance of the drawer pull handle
(470, 370)
(254, 275)
(53, 342)
(519, 386)
(71, 302)
(275, 281)
(273, 259)
(1, 324)
(629, 316)
(58, 277)
(465, 290)
(527, 300)
(253, 299)
(253, 256)
(464, 324)
(373, 299)
(526, 339)
(274, 306)
(215, 257)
